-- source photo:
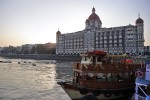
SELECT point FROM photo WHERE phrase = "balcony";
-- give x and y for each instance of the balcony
(96, 84)
(140, 40)
(106, 67)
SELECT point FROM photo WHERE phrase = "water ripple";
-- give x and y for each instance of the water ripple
(23, 81)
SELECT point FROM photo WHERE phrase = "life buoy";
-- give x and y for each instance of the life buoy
(96, 92)
(83, 91)
(107, 93)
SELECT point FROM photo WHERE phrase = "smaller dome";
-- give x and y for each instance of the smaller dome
(87, 21)
(58, 32)
(139, 21)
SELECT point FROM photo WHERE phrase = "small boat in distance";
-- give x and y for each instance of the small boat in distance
(33, 64)
(105, 76)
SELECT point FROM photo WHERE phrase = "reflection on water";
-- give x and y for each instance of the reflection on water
(23, 81)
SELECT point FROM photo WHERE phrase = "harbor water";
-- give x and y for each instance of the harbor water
(22, 79)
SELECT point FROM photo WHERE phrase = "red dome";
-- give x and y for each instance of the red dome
(93, 16)
(139, 20)
(58, 32)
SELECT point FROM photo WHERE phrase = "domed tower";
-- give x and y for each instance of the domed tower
(93, 20)
(139, 21)
(140, 24)
(140, 35)
(58, 33)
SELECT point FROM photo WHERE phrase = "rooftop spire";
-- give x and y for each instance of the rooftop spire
(139, 15)
(93, 10)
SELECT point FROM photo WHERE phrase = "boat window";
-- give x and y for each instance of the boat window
(99, 59)
(94, 60)
(91, 59)
(84, 59)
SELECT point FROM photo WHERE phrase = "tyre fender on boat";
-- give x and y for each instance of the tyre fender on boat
(96, 92)
(83, 91)
(108, 93)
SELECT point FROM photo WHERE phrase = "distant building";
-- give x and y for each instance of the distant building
(114, 40)
(27, 48)
(18, 49)
(50, 45)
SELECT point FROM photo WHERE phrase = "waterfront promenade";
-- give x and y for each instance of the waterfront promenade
(43, 57)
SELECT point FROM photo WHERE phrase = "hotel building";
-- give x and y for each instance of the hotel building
(115, 40)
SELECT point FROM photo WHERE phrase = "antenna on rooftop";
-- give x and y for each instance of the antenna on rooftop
(138, 14)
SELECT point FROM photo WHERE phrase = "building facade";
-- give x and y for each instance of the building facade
(115, 40)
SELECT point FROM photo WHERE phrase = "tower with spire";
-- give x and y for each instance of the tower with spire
(139, 33)
(58, 43)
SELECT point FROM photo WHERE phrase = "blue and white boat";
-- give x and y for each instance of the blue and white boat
(142, 89)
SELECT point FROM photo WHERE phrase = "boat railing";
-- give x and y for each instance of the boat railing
(105, 85)
(107, 67)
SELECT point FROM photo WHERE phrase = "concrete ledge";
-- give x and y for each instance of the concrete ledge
(43, 57)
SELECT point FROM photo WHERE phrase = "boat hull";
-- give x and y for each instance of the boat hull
(75, 93)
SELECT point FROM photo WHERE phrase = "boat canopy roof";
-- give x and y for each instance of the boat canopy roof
(142, 81)
(94, 53)
(119, 56)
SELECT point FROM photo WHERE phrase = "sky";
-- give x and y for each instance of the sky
(37, 21)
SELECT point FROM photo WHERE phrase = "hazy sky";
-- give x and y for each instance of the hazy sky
(37, 21)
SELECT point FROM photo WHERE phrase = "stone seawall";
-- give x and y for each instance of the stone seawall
(43, 57)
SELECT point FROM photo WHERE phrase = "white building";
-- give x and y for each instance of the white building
(114, 40)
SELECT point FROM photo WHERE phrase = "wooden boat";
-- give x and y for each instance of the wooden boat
(102, 75)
